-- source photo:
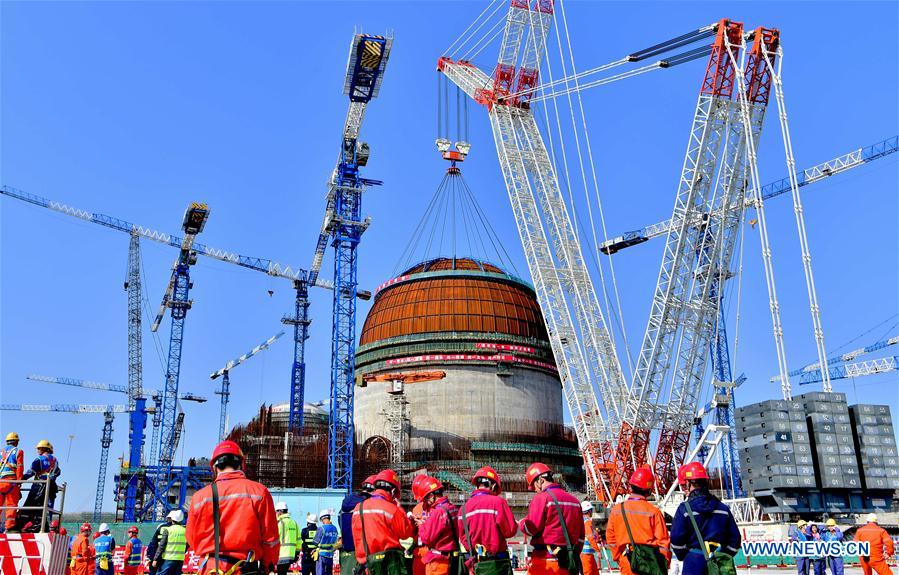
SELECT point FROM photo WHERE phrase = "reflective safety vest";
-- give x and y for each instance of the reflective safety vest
(288, 535)
(137, 548)
(9, 461)
(327, 538)
(309, 544)
(175, 543)
(104, 546)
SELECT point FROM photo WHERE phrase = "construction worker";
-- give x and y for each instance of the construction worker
(798, 533)
(833, 533)
(134, 548)
(716, 524)
(288, 537)
(439, 532)
(554, 523)
(325, 540)
(645, 521)
(348, 561)
(591, 542)
(153, 545)
(11, 469)
(248, 543)
(172, 548)
(419, 515)
(82, 562)
(104, 545)
(385, 524)
(881, 546)
(486, 522)
(307, 537)
(44, 467)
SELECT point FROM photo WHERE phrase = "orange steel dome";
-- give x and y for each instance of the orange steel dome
(454, 295)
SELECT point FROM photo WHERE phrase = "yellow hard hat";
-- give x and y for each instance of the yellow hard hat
(831, 523)
(43, 444)
(12, 436)
(801, 523)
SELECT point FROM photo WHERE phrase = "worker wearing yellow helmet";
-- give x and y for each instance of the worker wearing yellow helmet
(11, 470)
(799, 532)
(833, 533)
(45, 466)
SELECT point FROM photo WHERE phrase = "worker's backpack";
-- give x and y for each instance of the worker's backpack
(644, 559)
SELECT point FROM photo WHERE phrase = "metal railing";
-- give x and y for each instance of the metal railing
(47, 512)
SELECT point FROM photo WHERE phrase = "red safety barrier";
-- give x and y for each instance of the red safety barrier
(33, 554)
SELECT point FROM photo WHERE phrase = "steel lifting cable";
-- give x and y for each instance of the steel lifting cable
(492, 236)
(620, 312)
(449, 52)
(472, 53)
(777, 81)
(763, 224)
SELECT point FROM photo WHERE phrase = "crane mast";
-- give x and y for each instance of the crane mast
(583, 349)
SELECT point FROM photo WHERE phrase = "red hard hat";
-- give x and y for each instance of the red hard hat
(388, 476)
(642, 478)
(86, 527)
(535, 471)
(369, 482)
(695, 470)
(416, 486)
(63, 531)
(681, 478)
(133, 529)
(54, 524)
(487, 473)
(226, 448)
(427, 486)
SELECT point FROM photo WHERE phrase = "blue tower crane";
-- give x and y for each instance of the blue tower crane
(226, 378)
(137, 423)
(343, 226)
(138, 414)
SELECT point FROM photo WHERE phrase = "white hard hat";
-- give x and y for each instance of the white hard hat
(324, 513)
(103, 528)
(281, 506)
(311, 518)
(586, 506)
(871, 518)
(176, 515)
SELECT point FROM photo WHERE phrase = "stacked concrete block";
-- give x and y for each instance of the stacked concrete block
(774, 446)
(875, 443)
(833, 443)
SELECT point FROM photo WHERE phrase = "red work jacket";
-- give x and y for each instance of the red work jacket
(880, 540)
(490, 522)
(438, 532)
(247, 518)
(385, 524)
(542, 522)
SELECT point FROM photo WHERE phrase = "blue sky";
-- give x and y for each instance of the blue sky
(137, 109)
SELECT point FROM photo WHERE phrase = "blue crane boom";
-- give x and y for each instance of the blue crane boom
(855, 369)
(848, 356)
(226, 379)
(853, 159)
(343, 226)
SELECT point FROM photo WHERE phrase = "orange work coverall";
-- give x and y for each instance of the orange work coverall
(82, 556)
(419, 551)
(11, 468)
(647, 526)
(385, 524)
(881, 547)
(591, 548)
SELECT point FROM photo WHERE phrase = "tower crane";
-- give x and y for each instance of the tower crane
(226, 381)
(299, 278)
(854, 369)
(108, 412)
(137, 424)
(343, 226)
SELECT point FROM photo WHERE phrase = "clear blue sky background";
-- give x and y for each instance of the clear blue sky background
(137, 109)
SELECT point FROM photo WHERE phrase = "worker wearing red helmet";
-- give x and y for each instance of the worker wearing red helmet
(418, 516)
(646, 523)
(439, 532)
(134, 550)
(82, 552)
(486, 522)
(248, 534)
(347, 557)
(554, 524)
(713, 519)
(384, 523)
